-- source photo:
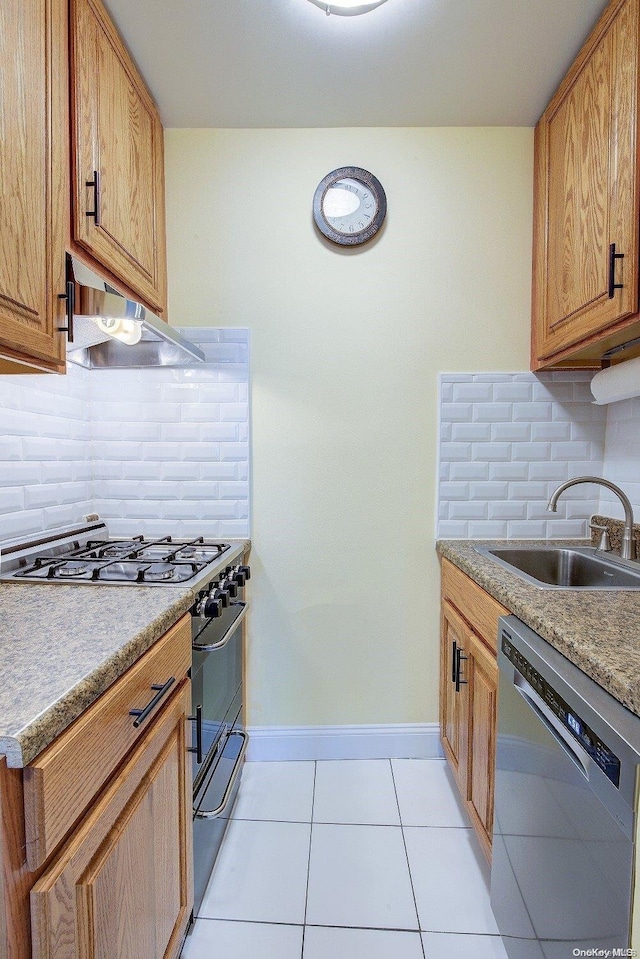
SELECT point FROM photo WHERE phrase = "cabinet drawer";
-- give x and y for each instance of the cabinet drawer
(64, 778)
(477, 607)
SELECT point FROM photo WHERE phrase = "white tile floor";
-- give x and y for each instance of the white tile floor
(364, 859)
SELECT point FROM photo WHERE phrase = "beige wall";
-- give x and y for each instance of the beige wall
(346, 348)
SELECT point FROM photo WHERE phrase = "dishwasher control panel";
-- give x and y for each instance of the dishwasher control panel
(582, 733)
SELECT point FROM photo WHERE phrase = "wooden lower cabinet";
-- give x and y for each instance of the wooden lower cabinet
(120, 886)
(96, 837)
(482, 717)
(454, 698)
(468, 693)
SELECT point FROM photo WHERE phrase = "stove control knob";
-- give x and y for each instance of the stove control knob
(231, 586)
(246, 570)
(217, 592)
(239, 576)
(211, 608)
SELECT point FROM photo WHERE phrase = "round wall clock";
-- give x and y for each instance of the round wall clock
(349, 206)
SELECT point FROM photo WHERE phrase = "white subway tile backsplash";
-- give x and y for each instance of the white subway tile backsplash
(469, 471)
(554, 472)
(234, 451)
(527, 452)
(508, 471)
(470, 432)
(513, 392)
(485, 529)
(543, 429)
(530, 529)
(511, 432)
(472, 392)
(554, 432)
(506, 510)
(199, 491)
(455, 452)
(457, 413)
(531, 412)
(492, 451)
(11, 448)
(472, 510)
(493, 412)
(489, 492)
(146, 450)
(198, 452)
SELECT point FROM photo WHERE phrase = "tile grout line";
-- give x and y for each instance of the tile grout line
(306, 895)
(404, 843)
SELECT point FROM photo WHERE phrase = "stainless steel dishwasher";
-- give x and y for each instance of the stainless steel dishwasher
(567, 761)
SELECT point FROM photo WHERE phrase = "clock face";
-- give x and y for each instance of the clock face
(349, 206)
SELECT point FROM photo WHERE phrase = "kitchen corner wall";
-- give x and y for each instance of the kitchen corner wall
(152, 451)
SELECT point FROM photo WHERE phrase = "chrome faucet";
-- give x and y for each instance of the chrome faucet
(628, 548)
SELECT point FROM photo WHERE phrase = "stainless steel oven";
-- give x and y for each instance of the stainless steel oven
(219, 739)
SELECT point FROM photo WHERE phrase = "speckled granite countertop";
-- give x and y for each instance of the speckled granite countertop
(598, 630)
(62, 646)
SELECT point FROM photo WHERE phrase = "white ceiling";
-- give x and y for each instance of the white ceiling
(285, 63)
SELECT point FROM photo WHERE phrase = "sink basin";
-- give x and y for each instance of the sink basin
(564, 567)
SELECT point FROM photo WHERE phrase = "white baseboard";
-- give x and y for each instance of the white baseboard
(392, 741)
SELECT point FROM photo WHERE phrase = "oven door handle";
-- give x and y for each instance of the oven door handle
(229, 633)
(219, 810)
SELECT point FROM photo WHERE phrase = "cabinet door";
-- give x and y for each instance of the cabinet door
(122, 886)
(454, 696)
(33, 173)
(118, 136)
(586, 191)
(483, 694)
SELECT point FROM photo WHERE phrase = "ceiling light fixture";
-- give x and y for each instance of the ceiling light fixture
(347, 8)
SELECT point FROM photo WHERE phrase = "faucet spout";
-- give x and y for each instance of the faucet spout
(628, 548)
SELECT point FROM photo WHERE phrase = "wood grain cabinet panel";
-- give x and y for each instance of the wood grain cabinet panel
(117, 134)
(121, 887)
(483, 699)
(454, 703)
(34, 177)
(62, 781)
(586, 200)
(469, 693)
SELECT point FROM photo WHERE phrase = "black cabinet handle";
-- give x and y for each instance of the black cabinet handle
(613, 256)
(70, 297)
(453, 661)
(459, 658)
(142, 714)
(197, 749)
(95, 183)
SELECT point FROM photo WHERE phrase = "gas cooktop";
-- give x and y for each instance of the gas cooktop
(87, 554)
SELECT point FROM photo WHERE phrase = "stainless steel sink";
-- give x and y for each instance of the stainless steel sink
(564, 567)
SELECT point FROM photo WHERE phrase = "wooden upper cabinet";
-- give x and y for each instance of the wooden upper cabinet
(34, 176)
(117, 159)
(586, 200)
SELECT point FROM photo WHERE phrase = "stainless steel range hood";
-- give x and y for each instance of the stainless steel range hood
(112, 332)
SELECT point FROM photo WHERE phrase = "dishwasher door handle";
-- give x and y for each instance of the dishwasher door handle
(572, 749)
